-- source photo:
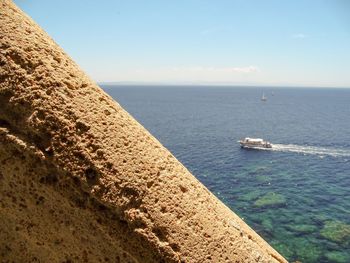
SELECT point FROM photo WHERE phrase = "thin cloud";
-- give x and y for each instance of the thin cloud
(245, 70)
(194, 74)
(236, 70)
(299, 36)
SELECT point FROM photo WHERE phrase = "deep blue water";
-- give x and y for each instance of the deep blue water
(296, 195)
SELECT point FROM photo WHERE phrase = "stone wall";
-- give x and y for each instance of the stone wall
(82, 181)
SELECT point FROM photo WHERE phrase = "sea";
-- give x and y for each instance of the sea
(295, 195)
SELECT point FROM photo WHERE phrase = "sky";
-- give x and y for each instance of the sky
(228, 42)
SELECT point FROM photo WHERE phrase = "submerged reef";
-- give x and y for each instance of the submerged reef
(270, 199)
(336, 231)
(338, 257)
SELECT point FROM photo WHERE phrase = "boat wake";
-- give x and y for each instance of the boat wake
(322, 151)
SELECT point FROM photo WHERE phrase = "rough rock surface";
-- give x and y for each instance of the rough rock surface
(82, 181)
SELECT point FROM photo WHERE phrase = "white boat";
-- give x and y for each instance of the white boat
(254, 143)
(263, 98)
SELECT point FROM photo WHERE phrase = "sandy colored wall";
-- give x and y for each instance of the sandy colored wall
(82, 181)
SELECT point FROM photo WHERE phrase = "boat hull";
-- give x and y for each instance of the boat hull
(249, 146)
(250, 143)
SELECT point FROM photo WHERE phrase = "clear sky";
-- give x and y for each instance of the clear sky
(251, 42)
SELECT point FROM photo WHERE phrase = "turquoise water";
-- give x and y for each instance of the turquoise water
(295, 195)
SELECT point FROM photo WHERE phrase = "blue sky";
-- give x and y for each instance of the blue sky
(260, 42)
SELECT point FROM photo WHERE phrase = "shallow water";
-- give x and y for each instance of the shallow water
(295, 195)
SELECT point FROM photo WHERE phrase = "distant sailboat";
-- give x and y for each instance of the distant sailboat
(263, 98)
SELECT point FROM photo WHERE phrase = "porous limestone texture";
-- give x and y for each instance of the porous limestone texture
(82, 181)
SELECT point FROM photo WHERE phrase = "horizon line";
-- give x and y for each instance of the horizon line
(216, 84)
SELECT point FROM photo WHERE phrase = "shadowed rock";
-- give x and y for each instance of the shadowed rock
(82, 181)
